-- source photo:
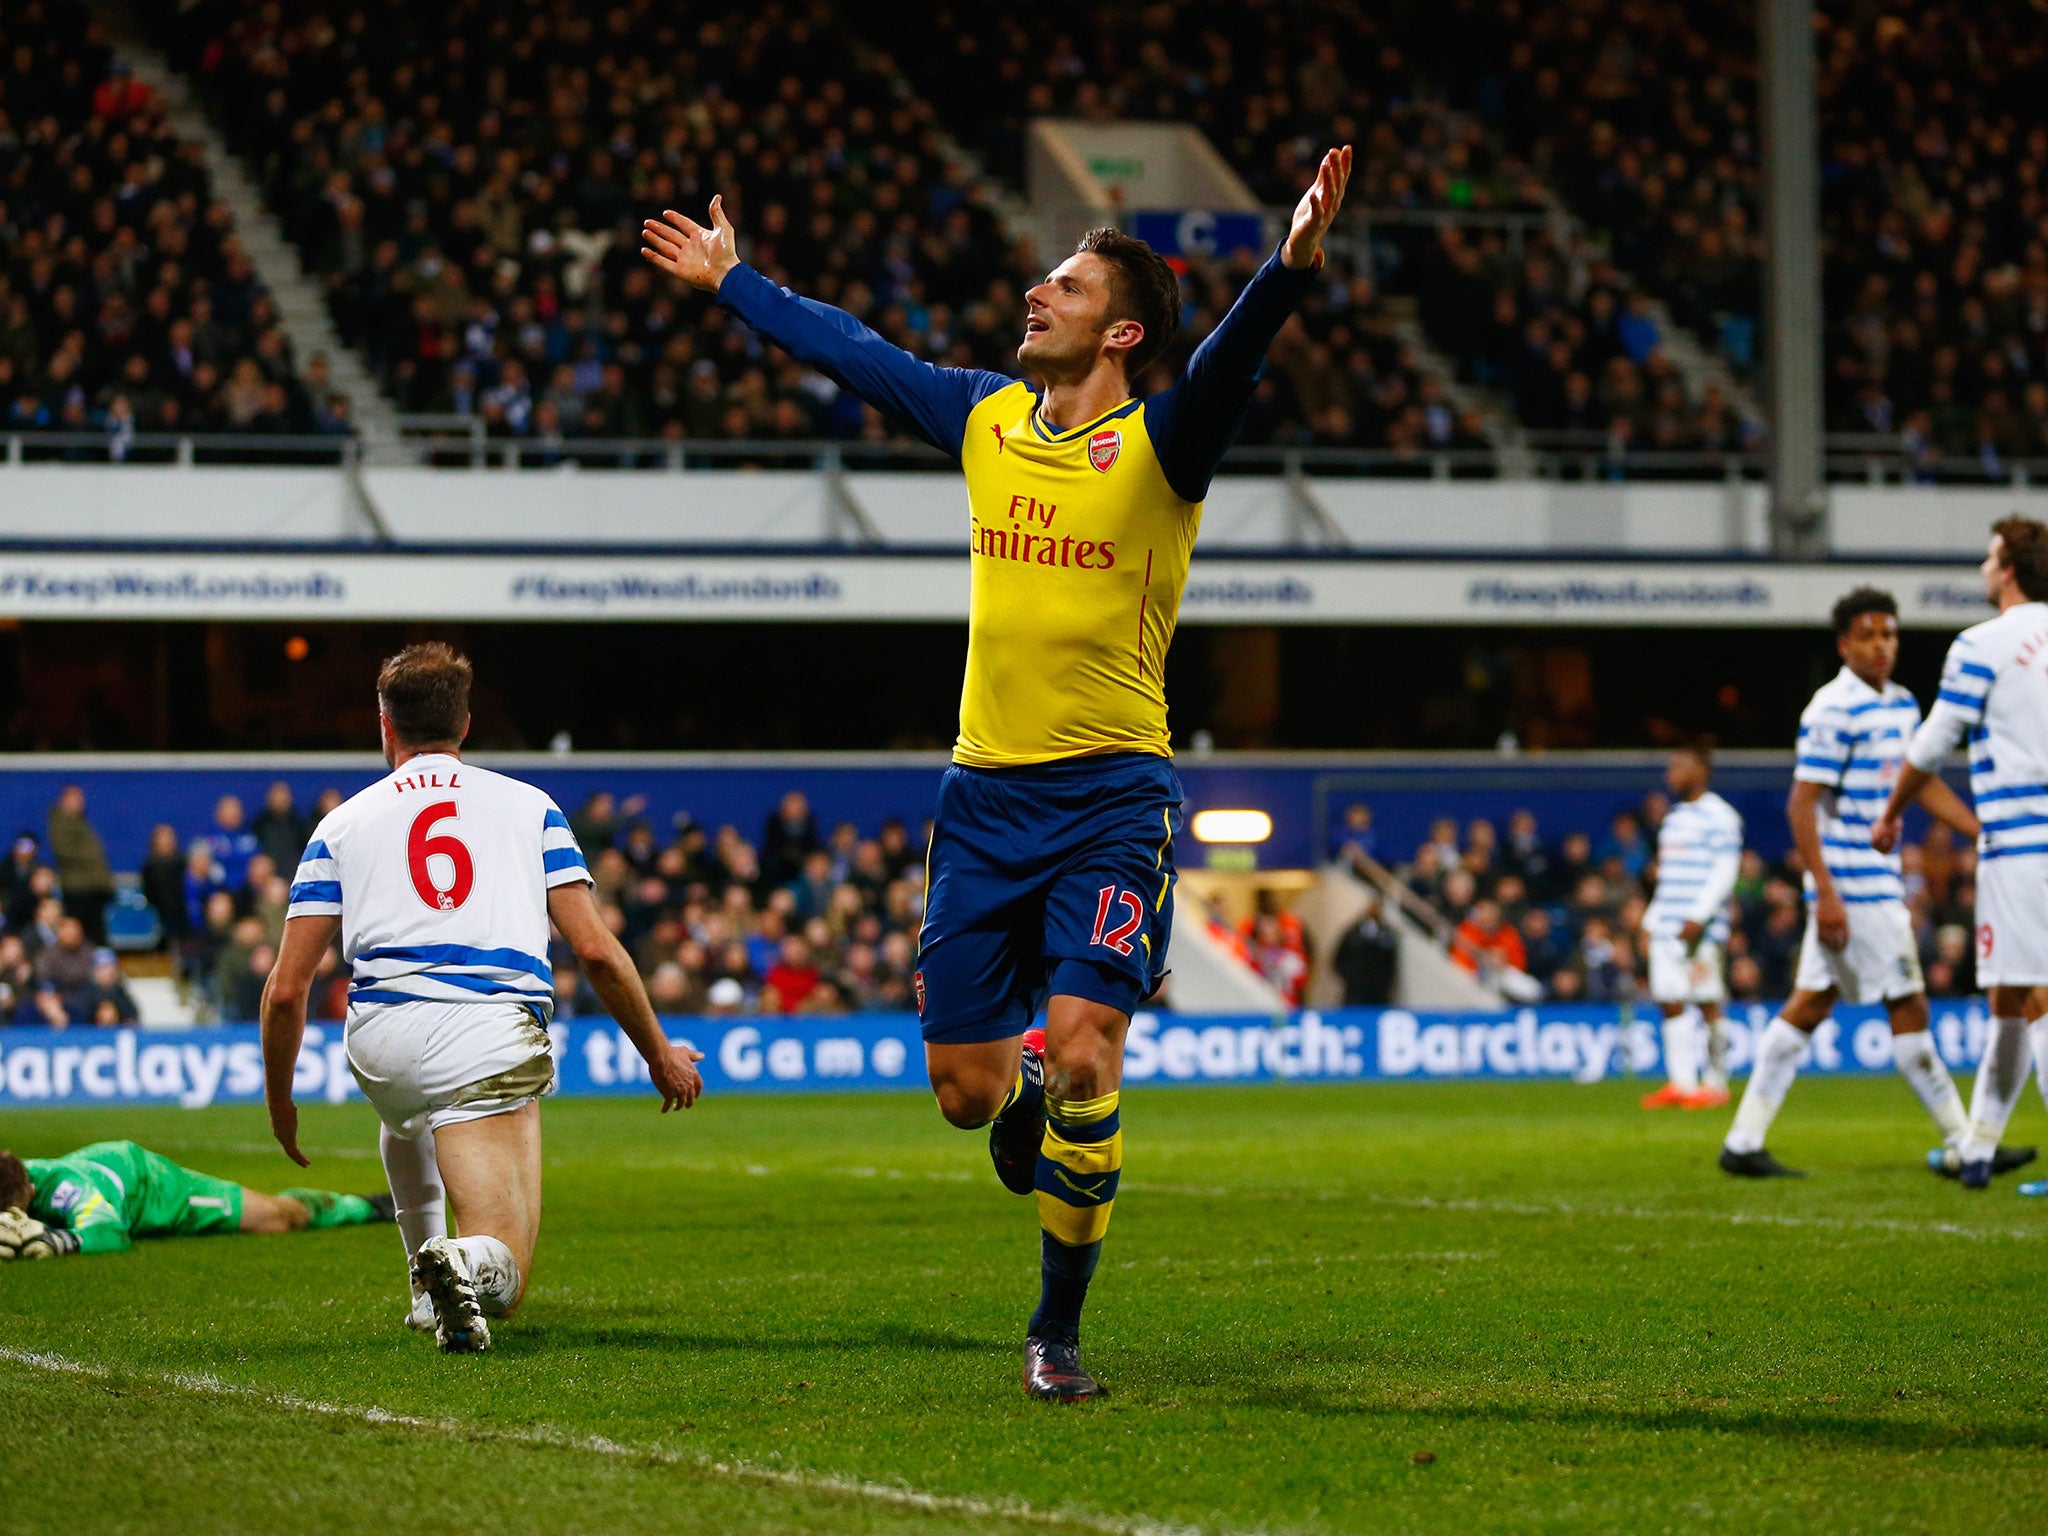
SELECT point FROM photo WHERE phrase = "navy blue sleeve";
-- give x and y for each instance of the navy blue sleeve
(1192, 423)
(930, 400)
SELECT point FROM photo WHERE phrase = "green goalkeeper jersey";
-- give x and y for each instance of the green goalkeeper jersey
(114, 1191)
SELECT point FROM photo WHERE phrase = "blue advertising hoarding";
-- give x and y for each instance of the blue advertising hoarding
(224, 1065)
(1199, 232)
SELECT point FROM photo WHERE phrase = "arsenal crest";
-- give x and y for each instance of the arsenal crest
(1103, 448)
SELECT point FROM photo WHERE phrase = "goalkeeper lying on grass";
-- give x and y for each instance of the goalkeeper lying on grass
(99, 1198)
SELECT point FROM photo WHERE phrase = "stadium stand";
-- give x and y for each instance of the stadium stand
(1936, 255)
(1567, 912)
(1639, 117)
(469, 186)
(126, 302)
(1272, 84)
(806, 918)
(1554, 187)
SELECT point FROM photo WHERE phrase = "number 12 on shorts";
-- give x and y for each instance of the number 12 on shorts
(1127, 906)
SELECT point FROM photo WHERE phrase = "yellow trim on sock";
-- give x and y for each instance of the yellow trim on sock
(1016, 1091)
(1081, 1111)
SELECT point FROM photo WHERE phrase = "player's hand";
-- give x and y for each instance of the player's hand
(23, 1237)
(689, 252)
(1884, 833)
(284, 1125)
(676, 1077)
(1831, 921)
(1314, 214)
(1691, 933)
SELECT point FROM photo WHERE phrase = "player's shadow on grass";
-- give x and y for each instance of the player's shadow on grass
(1835, 1428)
(883, 1338)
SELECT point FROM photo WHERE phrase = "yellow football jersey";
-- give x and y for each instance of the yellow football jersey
(1079, 554)
(1080, 539)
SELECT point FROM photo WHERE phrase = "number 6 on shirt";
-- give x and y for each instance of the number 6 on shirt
(421, 845)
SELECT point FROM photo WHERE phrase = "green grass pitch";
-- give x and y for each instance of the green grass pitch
(804, 1314)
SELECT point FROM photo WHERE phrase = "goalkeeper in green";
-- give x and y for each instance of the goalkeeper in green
(100, 1198)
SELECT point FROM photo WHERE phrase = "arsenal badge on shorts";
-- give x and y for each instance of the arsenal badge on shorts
(1103, 448)
(917, 981)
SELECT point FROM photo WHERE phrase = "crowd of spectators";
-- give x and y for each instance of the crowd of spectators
(469, 186)
(810, 919)
(1338, 374)
(468, 182)
(1566, 912)
(1935, 229)
(1273, 83)
(805, 919)
(1935, 157)
(1572, 341)
(55, 968)
(801, 920)
(127, 303)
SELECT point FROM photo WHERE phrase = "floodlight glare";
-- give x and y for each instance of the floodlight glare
(1232, 826)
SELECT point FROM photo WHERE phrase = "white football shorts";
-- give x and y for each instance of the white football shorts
(1679, 977)
(2012, 922)
(426, 1065)
(1880, 962)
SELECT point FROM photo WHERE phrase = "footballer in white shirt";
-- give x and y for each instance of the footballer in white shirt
(1859, 945)
(441, 880)
(1994, 694)
(1699, 850)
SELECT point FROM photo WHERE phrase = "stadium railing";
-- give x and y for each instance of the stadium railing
(462, 443)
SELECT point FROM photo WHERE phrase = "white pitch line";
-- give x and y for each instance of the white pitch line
(1600, 1212)
(551, 1438)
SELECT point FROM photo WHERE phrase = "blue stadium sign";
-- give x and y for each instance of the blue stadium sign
(766, 1054)
(1196, 232)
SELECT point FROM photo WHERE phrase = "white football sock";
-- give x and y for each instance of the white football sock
(415, 1178)
(1681, 1052)
(1921, 1065)
(2037, 1036)
(2001, 1075)
(1717, 1054)
(1770, 1079)
(494, 1273)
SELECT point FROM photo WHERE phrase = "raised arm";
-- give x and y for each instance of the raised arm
(930, 400)
(1193, 423)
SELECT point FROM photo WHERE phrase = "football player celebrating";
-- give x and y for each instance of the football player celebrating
(441, 879)
(102, 1197)
(1052, 849)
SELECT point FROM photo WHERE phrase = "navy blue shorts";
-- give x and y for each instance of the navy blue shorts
(1051, 880)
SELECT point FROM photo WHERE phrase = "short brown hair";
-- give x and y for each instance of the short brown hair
(2025, 544)
(1142, 287)
(16, 1188)
(424, 691)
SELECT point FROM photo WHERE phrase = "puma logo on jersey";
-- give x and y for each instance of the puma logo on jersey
(997, 428)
